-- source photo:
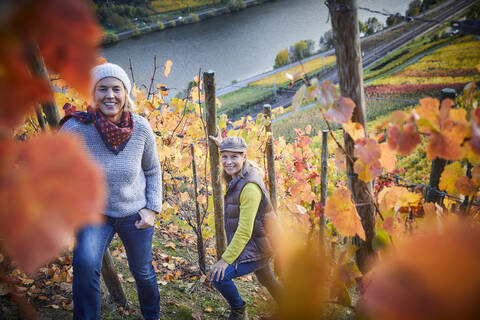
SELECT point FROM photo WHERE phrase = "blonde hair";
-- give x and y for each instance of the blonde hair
(129, 105)
(247, 165)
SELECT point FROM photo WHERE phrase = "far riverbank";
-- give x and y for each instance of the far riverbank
(194, 17)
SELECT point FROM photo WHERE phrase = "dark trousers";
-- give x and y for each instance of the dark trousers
(264, 275)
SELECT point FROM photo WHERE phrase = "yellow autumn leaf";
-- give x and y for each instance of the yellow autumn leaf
(450, 174)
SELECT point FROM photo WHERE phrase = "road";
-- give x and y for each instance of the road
(450, 8)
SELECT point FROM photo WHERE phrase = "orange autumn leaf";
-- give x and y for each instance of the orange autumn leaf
(403, 139)
(342, 212)
(393, 225)
(449, 176)
(341, 111)
(368, 152)
(325, 93)
(446, 127)
(391, 197)
(388, 158)
(354, 129)
(340, 163)
(476, 174)
(465, 186)
(430, 276)
(49, 188)
(68, 36)
(168, 68)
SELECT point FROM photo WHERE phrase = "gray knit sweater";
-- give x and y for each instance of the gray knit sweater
(133, 176)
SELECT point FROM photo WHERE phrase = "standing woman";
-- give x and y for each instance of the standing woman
(247, 205)
(124, 144)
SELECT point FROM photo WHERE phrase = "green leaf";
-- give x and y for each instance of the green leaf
(381, 240)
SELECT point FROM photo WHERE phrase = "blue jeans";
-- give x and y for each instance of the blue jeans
(264, 275)
(92, 242)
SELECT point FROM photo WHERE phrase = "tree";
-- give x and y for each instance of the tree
(327, 41)
(373, 26)
(474, 12)
(393, 20)
(362, 27)
(427, 4)
(414, 8)
(282, 58)
(298, 50)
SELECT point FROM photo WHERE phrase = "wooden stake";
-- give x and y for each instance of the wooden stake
(272, 179)
(215, 170)
(200, 249)
(323, 181)
(344, 18)
(38, 67)
(112, 281)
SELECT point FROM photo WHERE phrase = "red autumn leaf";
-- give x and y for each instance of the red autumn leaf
(341, 110)
(46, 196)
(20, 90)
(68, 36)
(343, 213)
(403, 139)
(431, 276)
(475, 127)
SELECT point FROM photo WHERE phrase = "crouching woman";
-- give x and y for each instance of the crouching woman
(247, 207)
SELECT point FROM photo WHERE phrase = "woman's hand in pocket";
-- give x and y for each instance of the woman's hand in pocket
(147, 219)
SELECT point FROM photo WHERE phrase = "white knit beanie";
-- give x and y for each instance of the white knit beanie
(110, 70)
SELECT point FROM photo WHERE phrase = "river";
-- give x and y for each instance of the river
(236, 46)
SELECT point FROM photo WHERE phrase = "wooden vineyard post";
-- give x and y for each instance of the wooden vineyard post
(215, 171)
(272, 179)
(198, 231)
(112, 281)
(438, 164)
(323, 181)
(49, 107)
(349, 67)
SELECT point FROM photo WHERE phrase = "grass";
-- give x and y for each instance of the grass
(174, 5)
(179, 298)
(237, 102)
(312, 66)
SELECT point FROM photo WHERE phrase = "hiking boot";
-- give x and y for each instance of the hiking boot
(238, 313)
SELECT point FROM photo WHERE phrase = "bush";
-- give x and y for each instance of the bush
(281, 59)
(194, 17)
(172, 24)
(326, 41)
(136, 32)
(118, 22)
(110, 38)
(237, 4)
(160, 25)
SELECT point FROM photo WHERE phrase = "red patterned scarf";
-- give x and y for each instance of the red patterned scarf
(114, 135)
